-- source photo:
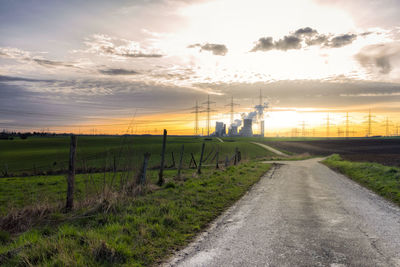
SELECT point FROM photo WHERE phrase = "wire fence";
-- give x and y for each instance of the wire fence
(121, 168)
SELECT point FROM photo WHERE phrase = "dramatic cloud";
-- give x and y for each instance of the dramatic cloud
(118, 72)
(306, 35)
(379, 56)
(105, 45)
(216, 49)
(337, 94)
(29, 103)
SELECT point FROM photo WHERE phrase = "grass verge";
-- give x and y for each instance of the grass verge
(139, 231)
(381, 179)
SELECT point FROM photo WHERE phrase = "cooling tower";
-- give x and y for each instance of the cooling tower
(247, 128)
(233, 130)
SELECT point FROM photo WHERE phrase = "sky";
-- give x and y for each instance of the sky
(140, 66)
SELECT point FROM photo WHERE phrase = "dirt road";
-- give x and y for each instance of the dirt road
(273, 150)
(301, 214)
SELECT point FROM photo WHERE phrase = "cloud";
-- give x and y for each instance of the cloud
(341, 40)
(105, 45)
(379, 57)
(317, 40)
(315, 93)
(4, 78)
(51, 63)
(304, 37)
(307, 31)
(288, 42)
(31, 104)
(118, 72)
(26, 56)
(263, 44)
(216, 49)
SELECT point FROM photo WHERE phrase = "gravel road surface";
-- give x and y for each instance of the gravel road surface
(301, 213)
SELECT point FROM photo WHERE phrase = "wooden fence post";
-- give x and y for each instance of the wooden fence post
(180, 161)
(71, 173)
(201, 158)
(160, 174)
(226, 161)
(216, 156)
(236, 156)
(142, 176)
(173, 160)
(193, 160)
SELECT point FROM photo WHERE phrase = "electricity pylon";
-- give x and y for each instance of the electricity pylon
(347, 125)
(369, 123)
(232, 105)
(208, 110)
(328, 125)
(387, 126)
(196, 117)
(303, 128)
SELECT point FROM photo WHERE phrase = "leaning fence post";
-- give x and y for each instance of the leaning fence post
(193, 160)
(71, 173)
(142, 176)
(226, 161)
(160, 174)
(180, 161)
(201, 158)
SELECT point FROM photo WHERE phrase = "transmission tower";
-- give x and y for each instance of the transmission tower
(369, 122)
(303, 128)
(387, 126)
(208, 110)
(260, 113)
(328, 125)
(196, 123)
(347, 125)
(232, 105)
(339, 132)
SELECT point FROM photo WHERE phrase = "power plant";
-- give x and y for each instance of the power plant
(247, 129)
(235, 129)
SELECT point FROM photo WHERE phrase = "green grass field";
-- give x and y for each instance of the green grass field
(49, 155)
(382, 179)
(119, 228)
(132, 231)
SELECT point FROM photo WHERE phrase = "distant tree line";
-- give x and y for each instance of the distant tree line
(10, 135)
